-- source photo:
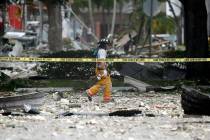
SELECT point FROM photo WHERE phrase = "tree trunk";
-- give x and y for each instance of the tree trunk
(55, 26)
(208, 10)
(141, 25)
(196, 37)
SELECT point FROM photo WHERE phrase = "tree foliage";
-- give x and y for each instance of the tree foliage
(163, 24)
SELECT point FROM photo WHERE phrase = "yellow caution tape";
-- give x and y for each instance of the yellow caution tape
(153, 60)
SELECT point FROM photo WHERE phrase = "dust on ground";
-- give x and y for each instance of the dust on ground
(161, 119)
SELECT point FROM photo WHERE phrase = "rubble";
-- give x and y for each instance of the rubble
(121, 113)
(161, 118)
(17, 50)
(29, 109)
(19, 69)
(152, 72)
(17, 101)
(160, 88)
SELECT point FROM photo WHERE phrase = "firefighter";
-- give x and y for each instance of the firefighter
(103, 77)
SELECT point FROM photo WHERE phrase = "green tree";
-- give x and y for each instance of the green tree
(163, 24)
(178, 21)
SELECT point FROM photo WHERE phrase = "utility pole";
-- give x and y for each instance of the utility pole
(151, 8)
(41, 21)
(114, 16)
(150, 28)
(113, 20)
(91, 15)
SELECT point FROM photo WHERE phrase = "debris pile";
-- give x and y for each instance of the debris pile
(19, 69)
(161, 117)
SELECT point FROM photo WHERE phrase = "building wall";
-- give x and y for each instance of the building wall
(103, 22)
(103, 19)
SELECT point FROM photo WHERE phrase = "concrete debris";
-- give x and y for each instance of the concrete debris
(18, 101)
(151, 71)
(124, 89)
(141, 86)
(9, 113)
(64, 102)
(43, 47)
(58, 90)
(125, 39)
(17, 49)
(29, 109)
(161, 118)
(73, 105)
(20, 69)
(159, 88)
(121, 113)
(150, 115)
(56, 96)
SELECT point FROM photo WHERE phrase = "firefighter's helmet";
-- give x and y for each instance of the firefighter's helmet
(103, 43)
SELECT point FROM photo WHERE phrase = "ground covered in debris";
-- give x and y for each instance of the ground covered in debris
(161, 118)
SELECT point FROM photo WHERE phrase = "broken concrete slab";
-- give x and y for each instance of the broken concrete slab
(124, 89)
(141, 86)
(142, 71)
(173, 73)
(18, 101)
(152, 72)
(160, 88)
(19, 69)
(48, 89)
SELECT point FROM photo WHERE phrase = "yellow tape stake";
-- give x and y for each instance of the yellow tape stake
(146, 60)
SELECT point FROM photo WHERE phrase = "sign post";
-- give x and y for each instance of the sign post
(151, 8)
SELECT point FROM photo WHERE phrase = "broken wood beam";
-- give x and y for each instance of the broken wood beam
(119, 113)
